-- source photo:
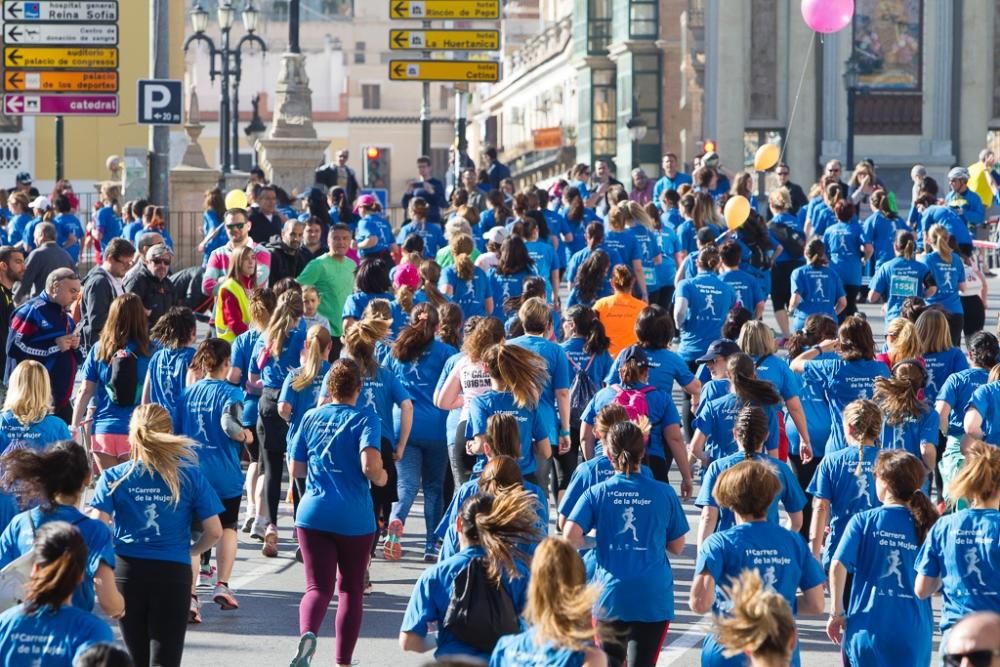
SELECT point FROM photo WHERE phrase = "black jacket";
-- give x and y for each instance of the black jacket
(98, 293)
(262, 229)
(157, 295)
(285, 262)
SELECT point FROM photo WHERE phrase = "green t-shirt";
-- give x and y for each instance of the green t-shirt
(334, 281)
(444, 258)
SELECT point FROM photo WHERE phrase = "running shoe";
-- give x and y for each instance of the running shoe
(248, 523)
(225, 598)
(368, 583)
(207, 577)
(270, 548)
(430, 555)
(195, 616)
(258, 529)
(298, 554)
(305, 651)
(392, 549)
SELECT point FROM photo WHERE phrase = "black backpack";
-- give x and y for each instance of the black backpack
(581, 392)
(792, 241)
(128, 373)
(479, 612)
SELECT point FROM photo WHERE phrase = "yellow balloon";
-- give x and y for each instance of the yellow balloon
(737, 211)
(236, 199)
(766, 157)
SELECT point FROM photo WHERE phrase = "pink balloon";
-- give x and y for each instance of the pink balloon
(827, 16)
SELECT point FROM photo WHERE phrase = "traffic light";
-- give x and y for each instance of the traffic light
(376, 167)
(708, 146)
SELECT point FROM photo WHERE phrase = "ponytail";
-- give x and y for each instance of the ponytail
(517, 370)
(591, 276)
(430, 275)
(283, 322)
(414, 340)
(905, 245)
(497, 523)
(863, 419)
(318, 341)
(938, 238)
(904, 475)
(979, 479)
(588, 325)
(404, 297)
(461, 251)
(60, 564)
(751, 430)
(210, 356)
(747, 387)
(760, 621)
(360, 342)
(176, 328)
(450, 324)
(899, 396)
(501, 473)
(154, 446)
(626, 446)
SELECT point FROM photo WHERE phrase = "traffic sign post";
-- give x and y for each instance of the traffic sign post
(443, 70)
(445, 40)
(444, 10)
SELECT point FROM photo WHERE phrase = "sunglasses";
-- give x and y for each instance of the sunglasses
(159, 261)
(781, 173)
(834, 171)
(981, 658)
(236, 225)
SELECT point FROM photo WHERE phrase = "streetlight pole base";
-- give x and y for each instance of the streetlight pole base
(291, 163)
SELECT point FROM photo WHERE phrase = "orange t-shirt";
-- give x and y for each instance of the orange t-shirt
(618, 314)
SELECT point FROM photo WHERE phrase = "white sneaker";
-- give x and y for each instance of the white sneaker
(258, 529)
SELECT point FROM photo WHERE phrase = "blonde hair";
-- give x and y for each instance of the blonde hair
(933, 332)
(154, 445)
(862, 421)
(283, 321)
(756, 339)
(360, 341)
(262, 304)
(759, 622)
(780, 200)
(462, 246)
(29, 395)
(318, 341)
(906, 343)
(560, 603)
(937, 238)
(535, 315)
(517, 370)
(979, 479)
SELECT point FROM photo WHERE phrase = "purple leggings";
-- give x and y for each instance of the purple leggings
(325, 555)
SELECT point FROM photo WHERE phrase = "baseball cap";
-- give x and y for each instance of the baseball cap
(159, 250)
(364, 201)
(705, 235)
(24, 178)
(958, 172)
(710, 159)
(42, 203)
(407, 276)
(636, 354)
(719, 348)
(496, 235)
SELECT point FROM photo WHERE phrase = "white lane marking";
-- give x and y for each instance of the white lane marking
(687, 641)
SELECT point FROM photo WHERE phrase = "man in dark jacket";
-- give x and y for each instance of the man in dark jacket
(150, 282)
(43, 260)
(287, 257)
(11, 270)
(101, 286)
(265, 220)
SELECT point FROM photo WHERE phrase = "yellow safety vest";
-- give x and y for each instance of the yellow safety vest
(237, 290)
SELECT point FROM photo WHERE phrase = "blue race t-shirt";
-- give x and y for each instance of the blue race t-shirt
(330, 442)
(880, 231)
(37, 436)
(911, 433)
(842, 382)
(19, 537)
(635, 518)
(381, 394)
(709, 301)
(947, 276)
(167, 372)
(838, 481)
(879, 547)
(588, 474)
(239, 356)
(199, 417)
(433, 592)
(986, 401)
(662, 412)
(957, 393)
(816, 412)
(790, 496)
(147, 523)
(665, 368)
(469, 294)
(372, 225)
(559, 378)
(430, 232)
(506, 287)
(747, 288)
(525, 650)
(778, 555)
(68, 225)
(447, 530)
(819, 288)
(109, 417)
(273, 369)
(596, 369)
(941, 366)
(419, 378)
(303, 399)
(53, 638)
(543, 254)
(897, 280)
(648, 246)
(716, 419)
(530, 425)
(963, 549)
(624, 243)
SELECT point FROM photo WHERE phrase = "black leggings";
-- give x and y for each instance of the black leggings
(633, 643)
(563, 465)
(974, 315)
(851, 291)
(157, 600)
(804, 473)
(956, 324)
(660, 467)
(273, 433)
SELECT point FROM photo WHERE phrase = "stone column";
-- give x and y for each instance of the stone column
(291, 152)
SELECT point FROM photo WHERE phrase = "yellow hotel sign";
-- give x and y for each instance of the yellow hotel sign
(445, 40)
(443, 70)
(427, 10)
(60, 58)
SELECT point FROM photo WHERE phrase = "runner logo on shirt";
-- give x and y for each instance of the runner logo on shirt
(629, 518)
(972, 564)
(820, 292)
(151, 516)
(770, 579)
(892, 570)
(863, 490)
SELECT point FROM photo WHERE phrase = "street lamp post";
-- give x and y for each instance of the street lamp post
(851, 86)
(637, 129)
(227, 63)
(256, 129)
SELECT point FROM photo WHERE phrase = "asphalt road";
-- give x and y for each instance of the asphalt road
(264, 630)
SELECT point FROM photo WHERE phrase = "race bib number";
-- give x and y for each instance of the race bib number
(649, 275)
(903, 286)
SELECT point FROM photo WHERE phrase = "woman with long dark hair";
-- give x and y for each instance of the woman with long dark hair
(169, 371)
(45, 625)
(418, 359)
(371, 281)
(125, 334)
(514, 264)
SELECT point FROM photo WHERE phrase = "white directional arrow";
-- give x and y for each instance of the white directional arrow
(13, 104)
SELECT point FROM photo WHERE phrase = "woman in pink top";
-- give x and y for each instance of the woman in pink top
(468, 379)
